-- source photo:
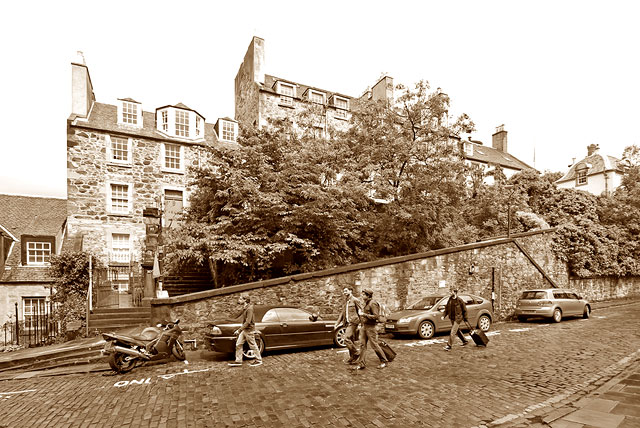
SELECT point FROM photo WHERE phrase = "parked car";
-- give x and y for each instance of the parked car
(278, 327)
(424, 317)
(551, 303)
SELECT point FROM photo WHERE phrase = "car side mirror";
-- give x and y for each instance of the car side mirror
(441, 308)
(314, 317)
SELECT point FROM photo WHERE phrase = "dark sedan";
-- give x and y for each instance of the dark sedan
(278, 327)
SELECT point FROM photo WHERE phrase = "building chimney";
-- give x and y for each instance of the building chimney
(499, 139)
(82, 96)
(383, 90)
(253, 63)
(592, 149)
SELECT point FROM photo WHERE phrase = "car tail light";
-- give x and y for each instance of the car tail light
(544, 303)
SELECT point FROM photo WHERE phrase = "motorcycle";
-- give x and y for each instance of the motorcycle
(154, 343)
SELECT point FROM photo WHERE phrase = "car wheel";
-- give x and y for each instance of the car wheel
(522, 319)
(339, 337)
(484, 323)
(587, 312)
(248, 352)
(557, 315)
(426, 330)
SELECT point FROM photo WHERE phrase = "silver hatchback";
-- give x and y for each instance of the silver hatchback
(554, 303)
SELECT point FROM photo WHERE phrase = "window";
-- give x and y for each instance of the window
(228, 131)
(197, 126)
(172, 156)
(581, 178)
(182, 123)
(32, 308)
(165, 121)
(342, 105)
(287, 92)
(120, 248)
(270, 316)
(119, 198)
(292, 314)
(129, 113)
(316, 97)
(468, 149)
(38, 253)
(119, 149)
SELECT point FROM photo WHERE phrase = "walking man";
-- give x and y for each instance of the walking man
(350, 317)
(368, 334)
(246, 333)
(456, 310)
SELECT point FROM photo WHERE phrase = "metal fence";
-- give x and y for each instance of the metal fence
(118, 286)
(35, 331)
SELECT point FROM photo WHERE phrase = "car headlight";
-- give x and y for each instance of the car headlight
(404, 320)
(216, 330)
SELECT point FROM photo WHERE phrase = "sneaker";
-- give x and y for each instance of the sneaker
(465, 343)
(234, 364)
(447, 348)
(256, 363)
(359, 367)
(382, 365)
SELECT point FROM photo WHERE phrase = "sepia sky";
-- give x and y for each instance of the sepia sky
(560, 75)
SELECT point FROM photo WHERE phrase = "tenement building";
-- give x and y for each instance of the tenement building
(123, 161)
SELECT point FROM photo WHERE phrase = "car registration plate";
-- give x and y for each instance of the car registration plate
(390, 326)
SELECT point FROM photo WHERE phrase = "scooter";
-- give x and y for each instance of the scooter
(154, 343)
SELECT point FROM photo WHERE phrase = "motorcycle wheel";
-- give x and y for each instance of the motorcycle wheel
(121, 363)
(178, 351)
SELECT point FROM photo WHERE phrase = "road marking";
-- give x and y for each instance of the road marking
(5, 395)
(520, 329)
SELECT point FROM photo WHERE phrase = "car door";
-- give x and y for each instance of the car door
(297, 329)
(439, 322)
(560, 299)
(270, 329)
(472, 309)
(575, 303)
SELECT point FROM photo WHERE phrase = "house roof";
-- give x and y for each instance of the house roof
(104, 117)
(30, 215)
(599, 164)
(270, 81)
(489, 155)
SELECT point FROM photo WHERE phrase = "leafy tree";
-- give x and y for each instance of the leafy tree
(71, 273)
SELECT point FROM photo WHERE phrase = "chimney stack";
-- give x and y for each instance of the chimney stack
(82, 96)
(383, 90)
(592, 149)
(499, 139)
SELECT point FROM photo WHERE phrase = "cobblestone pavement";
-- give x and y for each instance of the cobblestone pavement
(529, 370)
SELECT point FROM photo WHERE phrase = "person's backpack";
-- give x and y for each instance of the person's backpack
(384, 312)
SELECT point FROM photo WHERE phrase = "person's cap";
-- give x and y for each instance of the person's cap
(368, 291)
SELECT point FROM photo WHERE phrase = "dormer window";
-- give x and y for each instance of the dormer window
(468, 149)
(287, 92)
(198, 126)
(182, 123)
(316, 97)
(129, 113)
(228, 130)
(581, 177)
(342, 106)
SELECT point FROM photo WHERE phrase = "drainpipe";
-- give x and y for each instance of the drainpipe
(606, 183)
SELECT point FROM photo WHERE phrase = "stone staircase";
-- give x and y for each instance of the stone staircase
(191, 280)
(112, 319)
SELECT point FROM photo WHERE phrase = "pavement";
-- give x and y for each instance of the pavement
(609, 398)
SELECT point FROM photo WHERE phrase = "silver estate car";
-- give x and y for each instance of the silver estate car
(424, 317)
(554, 303)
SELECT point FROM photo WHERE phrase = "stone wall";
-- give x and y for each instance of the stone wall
(605, 288)
(477, 268)
(89, 174)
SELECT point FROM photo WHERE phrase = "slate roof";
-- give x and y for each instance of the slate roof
(104, 117)
(489, 155)
(270, 81)
(599, 164)
(29, 215)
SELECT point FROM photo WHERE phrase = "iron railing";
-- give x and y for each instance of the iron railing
(36, 330)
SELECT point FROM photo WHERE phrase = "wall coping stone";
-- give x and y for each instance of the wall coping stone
(342, 269)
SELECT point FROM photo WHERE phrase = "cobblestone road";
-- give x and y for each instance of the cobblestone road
(528, 368)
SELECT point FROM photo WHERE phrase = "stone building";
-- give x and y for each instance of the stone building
(122, 160)
(31, 230)
(260, 96)
(596, 173)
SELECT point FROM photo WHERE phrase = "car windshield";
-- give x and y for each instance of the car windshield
(426, 303)
(532, 295)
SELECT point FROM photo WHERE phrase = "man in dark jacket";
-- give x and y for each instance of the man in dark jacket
(350, 318)
(456, 310)
(370, 315)
(246, 333)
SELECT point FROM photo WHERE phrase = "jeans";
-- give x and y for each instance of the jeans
(455, 330)
(368, 334)
(351, 341)
(249, 337)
